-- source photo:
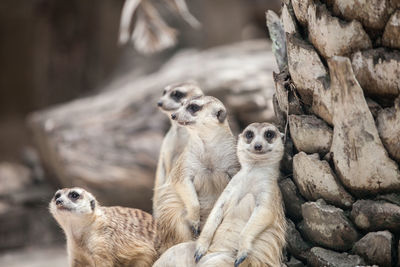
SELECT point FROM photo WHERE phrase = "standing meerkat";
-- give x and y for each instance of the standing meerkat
(103, 236)
(247, 224)
(176, 138)
(200, 174)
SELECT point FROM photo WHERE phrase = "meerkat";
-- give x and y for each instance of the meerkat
(247, 225)
(176, 138)
(103, 236)
(200, 174)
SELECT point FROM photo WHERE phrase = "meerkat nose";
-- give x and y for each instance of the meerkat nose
(159, 103)
(173, 116)
(257, 147)
(59, 201)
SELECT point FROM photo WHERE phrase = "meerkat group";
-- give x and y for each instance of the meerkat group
(216, 200)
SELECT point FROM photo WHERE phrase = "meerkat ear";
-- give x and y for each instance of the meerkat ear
(92, 204)
(221, 115)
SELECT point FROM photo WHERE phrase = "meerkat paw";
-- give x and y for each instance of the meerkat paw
(195, 228)
(241, 256)
(201, 250)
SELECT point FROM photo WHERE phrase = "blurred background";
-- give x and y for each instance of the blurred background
(54, 52)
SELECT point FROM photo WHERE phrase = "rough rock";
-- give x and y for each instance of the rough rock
(327, 258)
(292, 199)
(372, 215)
(13, 177)
(288, 20)
(332, 36)
(310, 134)
(288, 102)
(295, 243)
(300, 9)
(388, 124)
(377, 71)
(374, 107)
(315, 179)
(360, 160)
(373, 14)
(293, 262)
(375, 248)
(74, 139)
(309, 76)
(391, 36)
(327, 226)
(393, 198)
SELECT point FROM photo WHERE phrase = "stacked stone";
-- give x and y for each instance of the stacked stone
(338, 101)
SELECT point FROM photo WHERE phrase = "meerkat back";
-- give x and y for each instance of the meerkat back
(176, 138)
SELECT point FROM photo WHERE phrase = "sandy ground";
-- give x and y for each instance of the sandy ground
(35, 257)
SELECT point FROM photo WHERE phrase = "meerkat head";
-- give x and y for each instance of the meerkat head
(260, 143)
(73, 202)
(175, 94)
(204, 111)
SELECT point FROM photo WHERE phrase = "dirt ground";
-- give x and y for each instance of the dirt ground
(35, 257)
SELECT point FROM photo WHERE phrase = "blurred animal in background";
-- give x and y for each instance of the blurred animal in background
(200, 174)
(103, 236)
(247, 225)
(150, 32)
(176, 138)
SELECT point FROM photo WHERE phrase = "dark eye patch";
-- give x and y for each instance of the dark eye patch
(269, 134)
(57, 195)
(177, 95)
(249, 135)
(164, 92)
(73, 195)
(193, 108)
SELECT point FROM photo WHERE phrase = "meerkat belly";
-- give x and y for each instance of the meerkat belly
(209, 187)
(227, 235)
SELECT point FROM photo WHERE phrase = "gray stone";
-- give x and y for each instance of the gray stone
(327, 258)
(372, 215)
(376, 248)
(310, 134)
(388, 124)
(295, 243)
(292, 199)
(391, 36)
(377, 71)
(293, 262)
(315, 179)
(361, 162)
(327, 226)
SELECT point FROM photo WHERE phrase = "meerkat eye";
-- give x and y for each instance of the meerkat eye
(57, 195)
(193, 108)
(269, 134)
(73, 195)
(177, 95)
(249, 134)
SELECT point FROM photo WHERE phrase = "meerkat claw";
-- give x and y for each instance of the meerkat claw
(240, 260)
(197, 256)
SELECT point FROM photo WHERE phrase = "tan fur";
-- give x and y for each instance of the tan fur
(248, 221)
(200, 174)
(176, 138)
(104, 236)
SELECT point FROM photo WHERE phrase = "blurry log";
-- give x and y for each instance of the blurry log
(109, 143)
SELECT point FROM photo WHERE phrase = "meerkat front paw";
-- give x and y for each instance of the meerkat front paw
(241, 256)
(194, 227)
(201, 250)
